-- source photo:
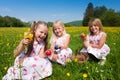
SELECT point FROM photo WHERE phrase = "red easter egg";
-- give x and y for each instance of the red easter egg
(48, 52)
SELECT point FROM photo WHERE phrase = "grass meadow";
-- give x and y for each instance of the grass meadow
(90, 70)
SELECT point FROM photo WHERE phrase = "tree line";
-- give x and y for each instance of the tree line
(8, 21)
(108, 16)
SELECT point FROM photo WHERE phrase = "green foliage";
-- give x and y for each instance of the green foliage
(10, 22)
(108, 16)
(89, 13)
(76, 23)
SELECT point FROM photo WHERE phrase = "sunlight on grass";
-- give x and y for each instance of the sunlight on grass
(10, 37)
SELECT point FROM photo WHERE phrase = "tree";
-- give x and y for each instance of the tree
(99, 11)
(111, 18)
(8, 21)
(88, 14)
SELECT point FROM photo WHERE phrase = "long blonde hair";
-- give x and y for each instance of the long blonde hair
(57, 23)
(96, 22)
(34, 25)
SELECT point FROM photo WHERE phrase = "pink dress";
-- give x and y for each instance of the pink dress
(63, 54)
(34, 67)
(98, 53)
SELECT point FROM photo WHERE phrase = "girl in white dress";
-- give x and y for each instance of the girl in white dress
(31, 64)
(94, 43)
(59, 43)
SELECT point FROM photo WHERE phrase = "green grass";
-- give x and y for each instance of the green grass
(10, 37)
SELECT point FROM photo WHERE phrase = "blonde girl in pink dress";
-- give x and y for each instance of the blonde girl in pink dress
(31, 64)
(94, 43)
(59, 44)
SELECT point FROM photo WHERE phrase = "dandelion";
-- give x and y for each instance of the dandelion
(67, 60)
(28, 35)
(85, 75)
(68, 74)
(75, 59)
(5, 68)
(28, 29)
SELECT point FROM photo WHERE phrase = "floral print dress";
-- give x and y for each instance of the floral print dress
(33, 68)
(63, 54)
(98, 53)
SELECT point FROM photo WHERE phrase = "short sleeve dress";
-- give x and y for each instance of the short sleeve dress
(63, 54)
(98, 53)
(33, 68)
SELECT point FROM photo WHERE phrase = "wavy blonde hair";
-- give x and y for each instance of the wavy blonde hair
(55, 24)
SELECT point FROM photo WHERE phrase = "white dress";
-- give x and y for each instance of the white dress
(34, 67)
(63, 54)
(98, 53)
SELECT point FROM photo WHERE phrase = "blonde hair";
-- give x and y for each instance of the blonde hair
(55, 24)
(34, 26)
(96, 22)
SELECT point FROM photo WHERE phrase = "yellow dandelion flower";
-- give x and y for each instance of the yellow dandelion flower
(68, 74)
(28, 29)
(28, 35)
(5, 68)
(85, 75)
(75, 59)
(67, 60)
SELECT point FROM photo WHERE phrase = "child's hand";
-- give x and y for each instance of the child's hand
(48, 52)
(25, 41)
(82, 35)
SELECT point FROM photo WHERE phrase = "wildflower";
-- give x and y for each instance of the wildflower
(85, 75)
(28, 29)
(68, 74)
(75, 59)
(28, 35)
(67, 60)
(5, 68)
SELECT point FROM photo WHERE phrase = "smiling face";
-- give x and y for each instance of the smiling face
(94, 29)
(95, 26)
(41, 32)
(58, 30)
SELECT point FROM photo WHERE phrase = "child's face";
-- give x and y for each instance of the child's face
(41, 33)
(58, 30)
(94, 29)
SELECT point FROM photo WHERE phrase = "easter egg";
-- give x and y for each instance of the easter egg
(48, 52)
(56, 47)
(83, 35)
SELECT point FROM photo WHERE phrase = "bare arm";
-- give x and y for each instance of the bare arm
(66, 42)
(52, 46)
(20, 47)
(101, 42)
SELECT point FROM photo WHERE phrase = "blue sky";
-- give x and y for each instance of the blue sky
(51, 10)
